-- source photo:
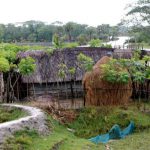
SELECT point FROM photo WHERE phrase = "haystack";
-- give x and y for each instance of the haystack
(99, 92)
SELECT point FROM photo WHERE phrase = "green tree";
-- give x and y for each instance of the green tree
(85, 62)
(69, 27)
(82, 39)
(4, 65)
(95, 43)
(27, 66)
(142, 9)
(2, 30)
(56, 41)
(91, 32)
(103, 31)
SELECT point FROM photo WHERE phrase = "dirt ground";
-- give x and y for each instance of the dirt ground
(65, 111)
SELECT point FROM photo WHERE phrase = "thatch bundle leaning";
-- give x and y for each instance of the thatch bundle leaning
(99, 92)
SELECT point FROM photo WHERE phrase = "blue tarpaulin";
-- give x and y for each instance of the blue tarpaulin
(114, 133)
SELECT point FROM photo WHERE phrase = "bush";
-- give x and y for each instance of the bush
(27, 66)
(95, 43)
(70, 45)
(4, 65)
(93, 121)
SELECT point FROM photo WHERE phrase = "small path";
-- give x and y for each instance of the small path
(35, 120)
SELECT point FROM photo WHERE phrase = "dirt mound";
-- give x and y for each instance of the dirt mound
(56, 111)
(99, 92)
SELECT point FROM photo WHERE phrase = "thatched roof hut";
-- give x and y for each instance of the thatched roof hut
(48, 65)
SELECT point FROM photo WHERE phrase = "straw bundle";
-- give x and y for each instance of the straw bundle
(99, 92)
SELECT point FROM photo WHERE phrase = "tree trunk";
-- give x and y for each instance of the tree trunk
(1, 86)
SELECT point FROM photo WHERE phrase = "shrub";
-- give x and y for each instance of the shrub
(27, 66)
(95, 43)
(4, 65)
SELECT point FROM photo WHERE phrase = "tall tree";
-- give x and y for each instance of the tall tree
(91, 32)
(69, 27)
(103, 31)
(2, 30)
(142, 9)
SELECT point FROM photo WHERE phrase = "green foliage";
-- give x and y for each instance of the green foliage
(86, 62)
(50, 51)
(56, 41)
(139, 12)
(82, 40)
(27, 66)
(72, 70)
(93, 121)
(9, 55)
(60, 138)
(141, 9)
(4, 65)
(121, 70)
(106, 45)
(23, 139)
(10, 47)
(137, 141)
(105, 31)
(95, 43)
(9, 114)
(62, 70)
(139, 77)
(146, 58)
(9, 51)
(136, 55)
(114, 72)
(70, 45)
(37, 31)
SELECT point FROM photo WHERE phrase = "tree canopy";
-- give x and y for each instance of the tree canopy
(141, 8)
(37, 31)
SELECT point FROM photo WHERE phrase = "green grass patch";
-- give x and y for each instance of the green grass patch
(21, 140)
(70, 45)
(10, 113)
(93, 121)
(60, 138)
(98, 120)
(146, 45)
(136, 141)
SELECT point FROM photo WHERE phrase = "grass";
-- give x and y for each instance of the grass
(137, 141)
(146, 45)
(10, 113)
(61, 139)
(93, 121)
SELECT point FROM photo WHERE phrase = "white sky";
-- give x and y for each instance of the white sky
(91, 12)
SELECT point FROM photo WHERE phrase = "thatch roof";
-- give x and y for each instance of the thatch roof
(48, 64)
(123, 53)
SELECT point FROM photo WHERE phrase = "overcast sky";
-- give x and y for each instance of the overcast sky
(91, 12)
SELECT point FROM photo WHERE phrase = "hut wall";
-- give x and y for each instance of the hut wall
(60, 90)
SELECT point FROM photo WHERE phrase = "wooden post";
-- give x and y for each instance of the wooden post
(1, 86)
